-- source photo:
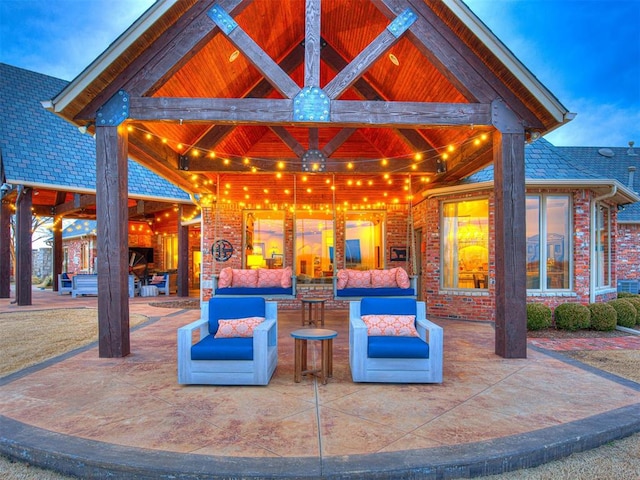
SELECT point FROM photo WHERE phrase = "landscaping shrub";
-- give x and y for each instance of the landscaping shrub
(603, 316)
(626, 312)
(628, 295)
(538, 316)
(635, 301)
(572, 316)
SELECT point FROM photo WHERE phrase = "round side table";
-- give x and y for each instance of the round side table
(313, 311)
(301, 337)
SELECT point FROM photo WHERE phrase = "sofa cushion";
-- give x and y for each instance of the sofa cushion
(269, 278)
(397, 347)
(390, 325)
(210, 348)
(230, 308)
(343, 277)
(285, 281)
(157, 279)
(225, 278)
(239, 327)
(384, 278)
(375, 292)
(358, 279)
(402, 278)
(244, 278)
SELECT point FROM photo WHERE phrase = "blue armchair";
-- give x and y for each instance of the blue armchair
(65, 284)
(229, 361)
(394, 359)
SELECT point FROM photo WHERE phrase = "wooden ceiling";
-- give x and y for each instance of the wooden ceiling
(369, 153)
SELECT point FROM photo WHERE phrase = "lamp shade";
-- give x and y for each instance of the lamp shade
(255, 261)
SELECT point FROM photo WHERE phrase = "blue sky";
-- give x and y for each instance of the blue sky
(587, 52)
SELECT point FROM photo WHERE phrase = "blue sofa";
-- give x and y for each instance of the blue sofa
(356, 293)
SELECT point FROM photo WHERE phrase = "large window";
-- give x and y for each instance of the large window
(170, 251)
(264, 239)
(603, 246)
(314, 246)
(364, 244)
(465, 244)
(548, 262)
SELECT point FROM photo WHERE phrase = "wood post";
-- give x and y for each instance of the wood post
(24, 252)
(113, 246)
(183, 256)
(5, 249)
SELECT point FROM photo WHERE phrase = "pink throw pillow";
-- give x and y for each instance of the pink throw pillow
(389, 325)
(286, 277)
(225, 278)
(244, 278)
(269, 278)
(402, 278)
(384, 278)
(343, 277)
(240, 327)
(359, 279)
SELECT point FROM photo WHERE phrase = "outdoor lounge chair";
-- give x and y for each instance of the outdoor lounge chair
(234, 360)
(394, 358)
(65, 284)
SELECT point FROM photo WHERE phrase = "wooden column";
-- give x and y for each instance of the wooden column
(24, 255)
(183, 256)
(5, 249)
(112, 264)
(57, 251)
(510, 238)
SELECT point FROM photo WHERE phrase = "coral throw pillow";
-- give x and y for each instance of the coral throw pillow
(269, 278)
(285, 281)
(240, 327)
(402, 278)
(343, 277)
(225, 278)
(384, 278)
(244, 278)
(389, 325)
(359, 279)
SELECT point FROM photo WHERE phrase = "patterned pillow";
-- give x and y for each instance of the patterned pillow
(343, 277)
(286, 277)
(244, 278)
(402, 278)
(240, 327)
(157, 279)
(269, 278)
(384, 278)
(390, 325)
(359, 279)
(226, 275)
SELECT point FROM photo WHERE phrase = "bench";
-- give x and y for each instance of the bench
(357, 284)
(65, 284)
(87, 284)
(166, 283)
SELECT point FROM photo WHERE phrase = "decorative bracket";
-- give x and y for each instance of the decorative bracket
(503, 118)
(314, 161)
(402, 22)
(115, 111)
(311, 105)
(222, 19)
(183, 162)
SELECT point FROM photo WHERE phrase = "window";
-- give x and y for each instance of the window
(465, 244)
(602, 255)
(364, 245)
(314, 246)
(264, 239)
(548, 265)
(170, 247)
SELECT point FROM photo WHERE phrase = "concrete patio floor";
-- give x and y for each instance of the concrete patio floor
(128, 417)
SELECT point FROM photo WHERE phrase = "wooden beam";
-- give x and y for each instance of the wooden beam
(5, 248)
(268, 112)
(255, 54)
(288, 140)
(183, 257)
(510, 239)
(340, 137)
(113, 242)
(79, 202)
(312, 44)
(24, 254)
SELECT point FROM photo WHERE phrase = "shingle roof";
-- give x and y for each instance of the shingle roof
(612, 163)
(79, 228)
(544, 161)
(41, 148)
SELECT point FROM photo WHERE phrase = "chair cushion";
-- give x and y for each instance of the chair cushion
(239, 327)
(157, 279)
(390, 325)
(210, 348)
(396, 306)
(231, 308)
(397, 347)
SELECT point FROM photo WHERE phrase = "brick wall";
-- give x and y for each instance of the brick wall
(628, 251)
